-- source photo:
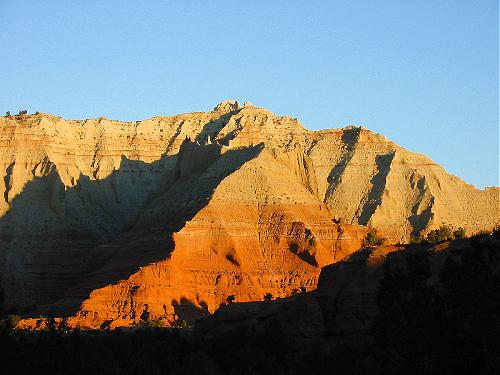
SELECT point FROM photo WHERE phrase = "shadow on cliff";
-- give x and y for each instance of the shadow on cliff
(378, 182)
(350, 137)
(419, 218)
(213, 128)
(189, 311)
(98, 232)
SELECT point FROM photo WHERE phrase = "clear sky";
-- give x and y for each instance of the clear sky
(424, 73)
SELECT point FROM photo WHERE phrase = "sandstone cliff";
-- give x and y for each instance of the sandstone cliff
(171, 215)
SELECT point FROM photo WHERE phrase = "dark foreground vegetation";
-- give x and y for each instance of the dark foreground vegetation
(445, 326)
(429, 323)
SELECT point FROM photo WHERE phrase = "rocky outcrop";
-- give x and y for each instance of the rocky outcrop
(375, 182)
(172, 214)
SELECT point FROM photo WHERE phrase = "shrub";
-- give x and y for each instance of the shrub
(145, 315)
(459, 233)
(483, 233)
(63, 325)
(417, 239)
(441, 234)
(50, 323)
(303, 287)
(152, 323)
(371, 239)
(180, 323)
(7, 113)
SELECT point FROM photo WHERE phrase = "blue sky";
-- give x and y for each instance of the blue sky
(423, 73)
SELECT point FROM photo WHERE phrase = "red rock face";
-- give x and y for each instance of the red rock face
(213, 260)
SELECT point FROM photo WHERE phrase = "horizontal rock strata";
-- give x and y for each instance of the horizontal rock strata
(170, 215)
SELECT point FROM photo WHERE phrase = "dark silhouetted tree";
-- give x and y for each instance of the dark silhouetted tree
(424, 326)
(268, 297)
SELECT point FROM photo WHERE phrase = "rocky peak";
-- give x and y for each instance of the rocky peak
(230, 105)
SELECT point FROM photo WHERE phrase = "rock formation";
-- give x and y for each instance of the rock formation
(345, 304)
(169, 216)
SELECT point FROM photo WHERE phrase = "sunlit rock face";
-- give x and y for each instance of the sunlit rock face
(108, 220)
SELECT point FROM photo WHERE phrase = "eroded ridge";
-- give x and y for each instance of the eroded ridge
(107, 219)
